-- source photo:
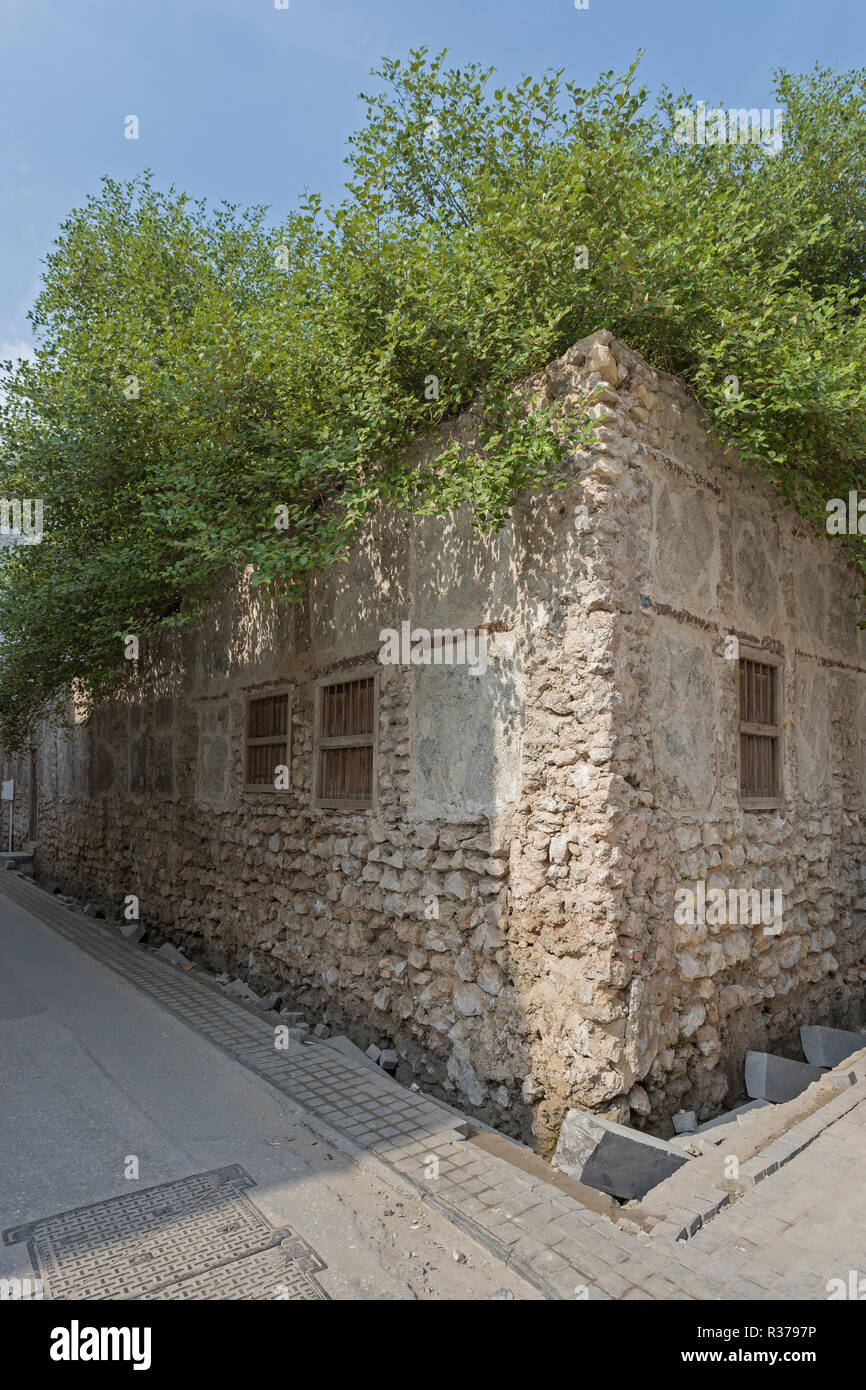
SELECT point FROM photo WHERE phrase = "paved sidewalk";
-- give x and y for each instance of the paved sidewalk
(795, 1231)
(564, 1249)
(139, 1161)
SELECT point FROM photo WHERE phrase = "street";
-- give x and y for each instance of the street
(105, 1095)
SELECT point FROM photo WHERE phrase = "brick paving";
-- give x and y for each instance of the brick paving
(802, 1227)
(781, 1240)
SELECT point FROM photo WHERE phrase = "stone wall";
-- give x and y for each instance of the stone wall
(505, 912)
(681, 548)
(387, 924)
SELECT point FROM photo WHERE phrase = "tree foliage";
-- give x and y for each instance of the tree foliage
(197, 368)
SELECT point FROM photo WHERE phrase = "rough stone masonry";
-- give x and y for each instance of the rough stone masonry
(503, 911)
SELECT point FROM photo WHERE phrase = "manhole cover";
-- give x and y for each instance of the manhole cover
(200, 1237)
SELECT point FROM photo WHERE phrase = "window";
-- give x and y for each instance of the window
(345, 741)
(267, 741)
(760, 731)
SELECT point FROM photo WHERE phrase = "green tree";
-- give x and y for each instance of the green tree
(197, 370)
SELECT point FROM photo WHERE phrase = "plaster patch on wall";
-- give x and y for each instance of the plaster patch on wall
(814, 753)
(213, 756)
(811, 603)
(466, 730)
(686, 545)
(756, 582)
(683, 736)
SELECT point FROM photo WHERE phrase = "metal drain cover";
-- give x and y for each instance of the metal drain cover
(196, 1238)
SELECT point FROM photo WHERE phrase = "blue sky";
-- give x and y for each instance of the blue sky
(237, 99)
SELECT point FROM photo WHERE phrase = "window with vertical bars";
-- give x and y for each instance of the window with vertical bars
(344, 748)
(760, 733)
(267, 739)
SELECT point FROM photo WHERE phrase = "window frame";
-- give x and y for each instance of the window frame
(250, 696)
(371, 740)
(762, 657)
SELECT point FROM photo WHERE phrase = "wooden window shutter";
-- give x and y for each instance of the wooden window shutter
(268, 738)
(345, 741)
(760, 727)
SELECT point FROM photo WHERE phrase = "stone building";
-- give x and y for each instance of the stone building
(517, 865)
